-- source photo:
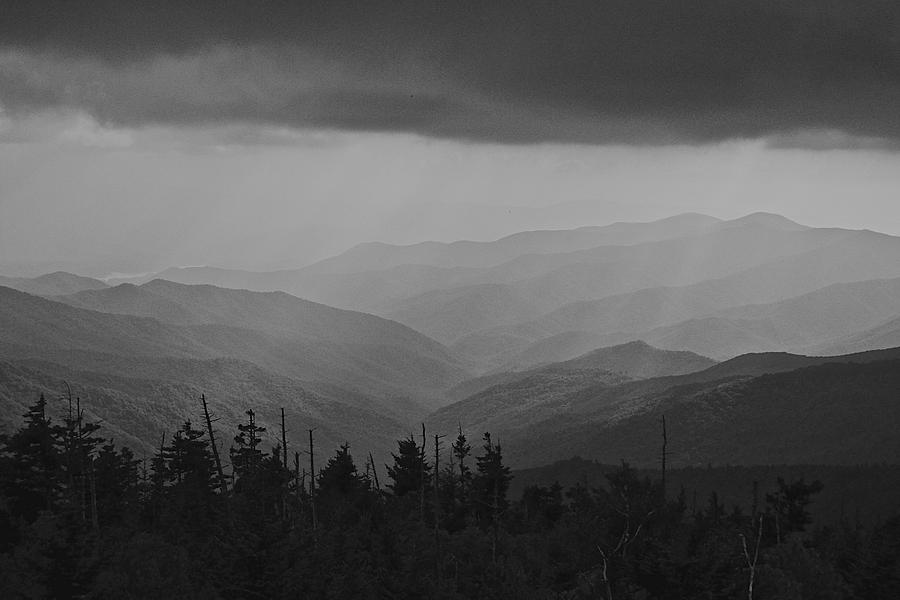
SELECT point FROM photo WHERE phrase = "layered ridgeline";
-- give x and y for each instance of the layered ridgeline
(531, 336)
(686, 283)
(509, 401)
(52, 284)
(145, 359)
(774, 408)
(153, 396)
(608, 319)
(625, 362)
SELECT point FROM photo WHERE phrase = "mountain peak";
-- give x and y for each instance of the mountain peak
(766, 219)
(690, 217)
(57, 283)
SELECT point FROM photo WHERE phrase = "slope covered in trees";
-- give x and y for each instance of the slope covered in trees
(277, 332)
(52, 284)
(159, 394)
(632, 360)
(748, 410)
(834, 413)
(83, 517)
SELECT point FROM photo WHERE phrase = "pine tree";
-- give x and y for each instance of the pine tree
(32, 464)
(247, 456)
(491, 482)
(117, 482)
(79, 447)
(461, 451)
(788, 506)
(456, 483)
(190, 471)
(489, 487)
(340, 477)
(408, 469)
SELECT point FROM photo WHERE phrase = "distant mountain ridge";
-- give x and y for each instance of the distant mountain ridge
(633, 360)
(884, 335)
(351, 376)
(677, 283)
(138, 410)
(850, 258)
(276, 313)
(281, 333)
(832, 413)
(377, 256)
(523, 413)
(499, 401)
(52, 284)
(502, 304)
(531, 337)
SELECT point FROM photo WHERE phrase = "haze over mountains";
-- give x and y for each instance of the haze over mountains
(555, 335)
(740, 402)
(499, 303)
(52, 284)
(340, 369)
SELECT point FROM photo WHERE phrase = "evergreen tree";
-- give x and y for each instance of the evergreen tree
(79, 447)
(490, 483)
(117, 483)
(410, 471)
(788, 506)
(543, 505)
(456, 484)
(461, 451)
(190, 471)
(247, 456)
(340, 477)
(32, 464)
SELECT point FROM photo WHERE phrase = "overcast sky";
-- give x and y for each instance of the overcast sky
(135, 136)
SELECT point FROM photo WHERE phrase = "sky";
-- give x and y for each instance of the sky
(136, 136)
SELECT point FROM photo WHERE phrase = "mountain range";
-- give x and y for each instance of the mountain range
(783, 408)
(561, 342)
(565, 292)
(342, 371)
(52, 284)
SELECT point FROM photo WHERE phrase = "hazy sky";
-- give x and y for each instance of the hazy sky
(134, 136)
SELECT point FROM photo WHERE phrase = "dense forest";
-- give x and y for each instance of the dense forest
(83, 518)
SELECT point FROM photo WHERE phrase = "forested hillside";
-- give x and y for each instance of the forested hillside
(83, 517)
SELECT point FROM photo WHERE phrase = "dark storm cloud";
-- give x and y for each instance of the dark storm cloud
(641, 71)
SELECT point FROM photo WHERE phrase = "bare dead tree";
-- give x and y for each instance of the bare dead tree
(312, 481)
(297, 487)
(303, 480)
(70, 482)
(665, 443)
(422, 477)
(284, 448)
(374, 472)
(156, 504)
(751, 563)
(629, 534)
(437, 500)
(95, 517)
(212, 442)
(82, 483)
(284, 462)
(604, 574)
(495, 522)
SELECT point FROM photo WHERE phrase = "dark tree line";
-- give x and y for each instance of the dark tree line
(81, 518)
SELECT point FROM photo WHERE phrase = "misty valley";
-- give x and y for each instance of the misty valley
(672, 409)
